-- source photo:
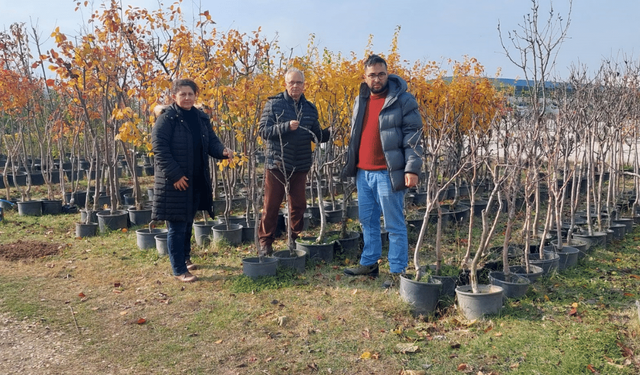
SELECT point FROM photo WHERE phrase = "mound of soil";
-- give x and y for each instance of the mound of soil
(28, 250)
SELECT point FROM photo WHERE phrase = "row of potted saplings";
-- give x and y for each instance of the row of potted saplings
(424, 296)
(72, 171)
(75, 199)
(235, 230)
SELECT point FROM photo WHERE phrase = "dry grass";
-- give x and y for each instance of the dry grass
(133, 317)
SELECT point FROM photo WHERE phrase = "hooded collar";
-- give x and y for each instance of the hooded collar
(181, 111)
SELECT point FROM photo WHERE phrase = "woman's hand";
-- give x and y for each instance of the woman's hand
(228, 153)
(181, 184)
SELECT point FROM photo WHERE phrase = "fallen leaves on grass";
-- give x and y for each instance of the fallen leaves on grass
(413, 372)
(626, 352)
(369, 355)
(366, 334)
(282, 320)
(398, 330)
(312, 366)
(407, 348)
(611, 362)
(592, 369)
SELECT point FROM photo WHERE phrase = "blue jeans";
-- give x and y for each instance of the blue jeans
(179, 245)
(179, 240)
(376, 196)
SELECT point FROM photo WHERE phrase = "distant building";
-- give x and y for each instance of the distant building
(521, 86)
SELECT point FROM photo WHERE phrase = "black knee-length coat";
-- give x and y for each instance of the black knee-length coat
(172, 142)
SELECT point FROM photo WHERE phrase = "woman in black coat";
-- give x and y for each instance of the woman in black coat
(182, 140)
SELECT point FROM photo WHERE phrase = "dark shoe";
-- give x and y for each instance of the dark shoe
(392, 280)
(191, 266)
(371, 270)
(265, 251)
(186, 277)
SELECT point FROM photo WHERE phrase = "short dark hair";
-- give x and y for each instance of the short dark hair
(374, 60)
(184, 82)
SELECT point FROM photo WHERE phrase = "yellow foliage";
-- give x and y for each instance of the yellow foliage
(114, 68)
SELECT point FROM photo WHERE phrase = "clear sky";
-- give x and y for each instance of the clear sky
(430, 29)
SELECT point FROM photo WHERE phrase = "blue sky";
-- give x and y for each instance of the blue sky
(430, 29)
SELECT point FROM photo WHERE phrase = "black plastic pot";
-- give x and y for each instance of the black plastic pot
(514, 286)
(86, 230)
(422, 296)
(51, 207)
(257, 267)
(231, 233)
(30, 208)
(296, 262)
(112, 220)
(316, 251)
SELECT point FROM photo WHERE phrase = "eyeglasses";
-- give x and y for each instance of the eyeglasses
(379, 76)
(294, 83)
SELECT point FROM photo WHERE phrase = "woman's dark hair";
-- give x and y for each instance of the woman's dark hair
(374, 60)
(183, 82)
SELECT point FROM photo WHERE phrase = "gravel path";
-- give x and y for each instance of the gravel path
(28, 347)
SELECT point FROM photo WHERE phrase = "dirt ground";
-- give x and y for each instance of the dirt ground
(28, 250)
(31, 347)
(28, 347)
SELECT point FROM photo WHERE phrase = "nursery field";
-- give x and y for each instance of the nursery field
(554, 159)
(101, 305)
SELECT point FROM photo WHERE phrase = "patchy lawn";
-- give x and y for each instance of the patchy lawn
(101, 305)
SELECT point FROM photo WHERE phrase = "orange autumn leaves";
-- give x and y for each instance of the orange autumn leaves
(461, 102)
(123, 64)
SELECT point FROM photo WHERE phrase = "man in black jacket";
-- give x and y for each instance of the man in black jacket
(288, 125)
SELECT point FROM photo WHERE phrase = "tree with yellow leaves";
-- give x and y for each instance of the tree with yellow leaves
(458, 113)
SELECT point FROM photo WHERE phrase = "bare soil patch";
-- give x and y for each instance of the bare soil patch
(28, 250)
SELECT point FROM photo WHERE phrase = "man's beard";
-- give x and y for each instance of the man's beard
(380, 90)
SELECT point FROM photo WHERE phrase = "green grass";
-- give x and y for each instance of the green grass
(318, 322)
